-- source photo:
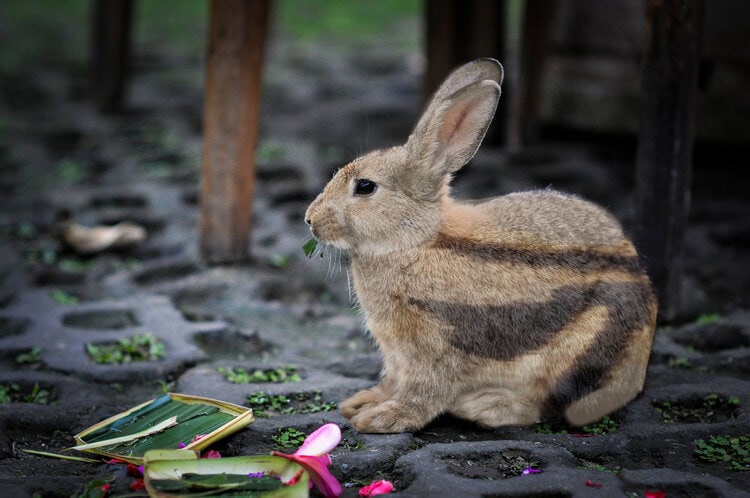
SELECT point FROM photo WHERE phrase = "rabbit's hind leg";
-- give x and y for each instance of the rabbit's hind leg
(622, 384)
(495, 407)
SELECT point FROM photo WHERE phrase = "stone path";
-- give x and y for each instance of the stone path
(286, 310)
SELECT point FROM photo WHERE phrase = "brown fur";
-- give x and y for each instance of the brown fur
(511, 310)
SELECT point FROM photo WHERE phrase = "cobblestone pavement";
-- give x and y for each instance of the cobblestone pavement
(283, 309)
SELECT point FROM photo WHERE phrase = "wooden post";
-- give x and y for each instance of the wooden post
(523, 120)
(110, 41)
(459, 31)
(665, 143)
(237, 35)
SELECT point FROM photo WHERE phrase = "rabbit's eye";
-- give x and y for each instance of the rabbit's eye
(365, 187)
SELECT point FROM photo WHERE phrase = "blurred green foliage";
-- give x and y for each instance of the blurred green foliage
(342, 18)
(59, 30)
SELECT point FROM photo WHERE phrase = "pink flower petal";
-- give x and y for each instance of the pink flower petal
(321, 441)
(211, 454)
(317, 469)
(592, 484)
(377, 488)
(655, 494)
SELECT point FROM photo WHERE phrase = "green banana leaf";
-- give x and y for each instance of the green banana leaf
(170, 421)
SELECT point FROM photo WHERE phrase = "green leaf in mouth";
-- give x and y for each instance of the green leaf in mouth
(310, 247)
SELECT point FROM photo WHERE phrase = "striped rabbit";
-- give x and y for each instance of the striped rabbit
(506, 311)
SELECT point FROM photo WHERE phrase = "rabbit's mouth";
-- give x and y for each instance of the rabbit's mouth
(328, 239)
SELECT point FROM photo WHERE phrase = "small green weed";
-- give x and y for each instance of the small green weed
(75, 265)
(128, 264)
(260, 402)
(734, 451)
(276, 375)
(548, 428)
(22, 230)
(27, 231)
(711, 409)
(62, 297)
(351, 443)
(30, 357)
(713, 400)
(72, 171)
(40, 255)
(140, 347)
(268, 152)
(589, 465)
(279, 260)
(95, 489)
(708, 319)
(265, 405)
(680, 362)
(6, 391)
(165, 386)
(601, 427)
(11, 393)
(158, 169)
(288, 438)
(48, 256)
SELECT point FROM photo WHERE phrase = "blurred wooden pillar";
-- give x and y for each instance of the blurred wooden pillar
(459, 31)
(237, 35)
(665, 143)
(523, 122)
(112, 20)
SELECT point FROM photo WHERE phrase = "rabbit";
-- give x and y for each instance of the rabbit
(513, 310)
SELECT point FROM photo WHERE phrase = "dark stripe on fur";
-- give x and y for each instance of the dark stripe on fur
(629, 306)
(506, 331)
(576, 259)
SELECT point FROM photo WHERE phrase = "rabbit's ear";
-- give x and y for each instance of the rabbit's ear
(451, 135)
(463, 76)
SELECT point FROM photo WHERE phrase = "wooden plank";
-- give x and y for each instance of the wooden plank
(665, 142)
(112, 21)
(237, 35)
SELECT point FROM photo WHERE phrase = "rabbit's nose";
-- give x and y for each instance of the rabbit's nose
(309, 213)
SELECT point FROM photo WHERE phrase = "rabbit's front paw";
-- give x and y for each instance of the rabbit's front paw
(386, 418)
(363, 399)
